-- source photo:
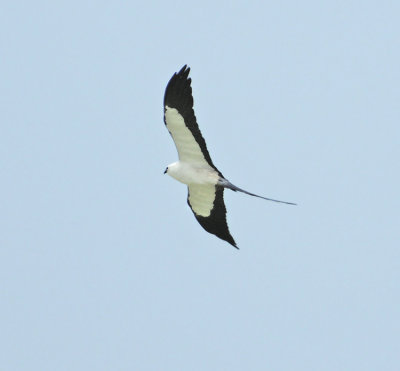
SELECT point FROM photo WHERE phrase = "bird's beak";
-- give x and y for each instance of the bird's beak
(165, 172)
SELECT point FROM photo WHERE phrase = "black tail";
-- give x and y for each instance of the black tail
(227, 184)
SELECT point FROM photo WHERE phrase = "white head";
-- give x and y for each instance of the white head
(172, 169)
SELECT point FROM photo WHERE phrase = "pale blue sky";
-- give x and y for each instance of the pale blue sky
(102, 264)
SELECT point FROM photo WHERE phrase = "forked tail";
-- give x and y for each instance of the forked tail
(227, 184)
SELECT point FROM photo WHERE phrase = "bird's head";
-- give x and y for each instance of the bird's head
(172, 169)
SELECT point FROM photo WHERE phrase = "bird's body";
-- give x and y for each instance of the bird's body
(188, 174)
(195, 168)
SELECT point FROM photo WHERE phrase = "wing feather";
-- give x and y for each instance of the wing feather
(181, 121)
(207, 204)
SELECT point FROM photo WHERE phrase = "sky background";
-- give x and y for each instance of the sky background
(102, 264)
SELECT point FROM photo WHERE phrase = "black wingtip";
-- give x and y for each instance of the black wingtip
(230, 240)
(184, 71)
(178, 91)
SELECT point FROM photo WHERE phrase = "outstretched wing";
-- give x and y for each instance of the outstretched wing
(181, 122)
(207, 204)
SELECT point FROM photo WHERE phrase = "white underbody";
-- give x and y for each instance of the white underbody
(191, 174)
(201, 181)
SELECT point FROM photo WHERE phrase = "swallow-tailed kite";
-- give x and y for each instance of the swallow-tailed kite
(195, 168)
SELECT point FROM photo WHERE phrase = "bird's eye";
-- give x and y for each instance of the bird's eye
(166, 170)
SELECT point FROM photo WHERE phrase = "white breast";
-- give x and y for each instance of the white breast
(189, 174)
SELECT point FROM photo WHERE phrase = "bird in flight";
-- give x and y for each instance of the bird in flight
(195, 168)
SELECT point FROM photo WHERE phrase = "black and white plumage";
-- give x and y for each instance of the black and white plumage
(195, 168)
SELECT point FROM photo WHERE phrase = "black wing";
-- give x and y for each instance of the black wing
(178, 96)
(215, 222)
